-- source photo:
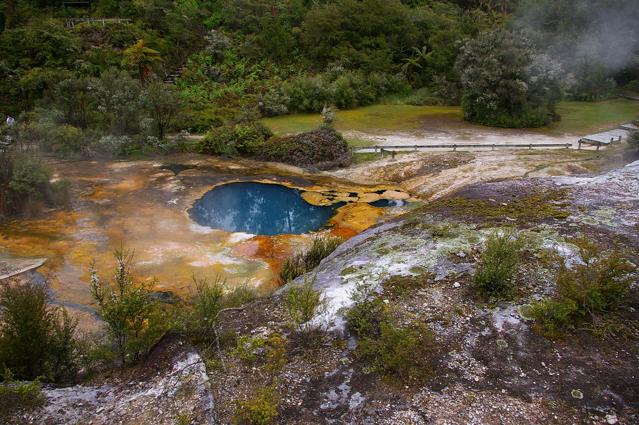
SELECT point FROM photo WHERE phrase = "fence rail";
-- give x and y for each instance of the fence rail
(455, 146)
(70, 23)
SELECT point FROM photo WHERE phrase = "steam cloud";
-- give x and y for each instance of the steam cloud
(602, 31)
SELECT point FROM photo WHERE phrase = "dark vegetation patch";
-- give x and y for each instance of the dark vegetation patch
(322, 148)
(525, 206)
(396, 348)
(26, 187)
(305, 261)
(500, 258)
(588, 296)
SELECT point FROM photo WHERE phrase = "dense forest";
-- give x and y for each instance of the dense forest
(112, 78)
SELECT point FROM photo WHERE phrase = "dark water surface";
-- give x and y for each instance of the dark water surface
(260, 209)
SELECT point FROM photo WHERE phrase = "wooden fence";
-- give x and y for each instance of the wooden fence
(70, 23)
(456, 146)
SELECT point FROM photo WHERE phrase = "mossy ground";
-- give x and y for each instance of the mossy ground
(536, 206)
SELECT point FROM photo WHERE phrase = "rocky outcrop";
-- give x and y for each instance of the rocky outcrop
(171, 385)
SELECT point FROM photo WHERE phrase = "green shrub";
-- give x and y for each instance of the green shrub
(364, 319)
(396, 351)
(36, 339)
(499, 262)
(30, 178)
(257, 350)
(423, 96)
(25, 185)
(344, 89)
(18, 394)
(130, 312)
(199, 318)
(301, 303)
(261, 409)
(306, 261)
(238, 139)
(206, 304)
(584, 293)
(64, 140)
(632, 86)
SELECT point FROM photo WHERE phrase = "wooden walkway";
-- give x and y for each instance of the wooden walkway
(70, 23)
(608, 137)
(460, 146)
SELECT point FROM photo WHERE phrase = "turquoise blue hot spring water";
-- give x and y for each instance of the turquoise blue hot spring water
(259, 209)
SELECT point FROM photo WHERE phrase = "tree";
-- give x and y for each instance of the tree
(117, 96)
(141, 59)
(36, 339)
(162, 103)
(591, 82)
(506, 83)
(74, 98)
(371, 34)
(128, 309)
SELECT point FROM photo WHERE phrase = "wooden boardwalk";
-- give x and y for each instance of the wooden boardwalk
(608, 137)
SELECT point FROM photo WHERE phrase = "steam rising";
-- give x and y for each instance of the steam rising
(601, 31)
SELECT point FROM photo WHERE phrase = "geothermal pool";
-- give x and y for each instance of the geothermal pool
(260, 209)
(188, 215)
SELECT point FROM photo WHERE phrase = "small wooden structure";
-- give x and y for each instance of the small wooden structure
(606, 138)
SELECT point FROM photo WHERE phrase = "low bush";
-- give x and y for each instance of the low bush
(132, 315)
(632, 86)
(344, 89)
(584, 294)
(499, 262)
(37, 340)
(18, 394)
(26, 187)
(304, 262)
(301, 303)
(261, 409)
(396, 351)
(422, 97)
(199, 318)
(267, 351)
(322, 148)
(237, 139)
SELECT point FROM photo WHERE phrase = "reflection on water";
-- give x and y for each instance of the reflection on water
(258, 208)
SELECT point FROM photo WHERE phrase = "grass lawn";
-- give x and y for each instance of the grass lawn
(579, 118)
(383, 118)
(590, 117)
